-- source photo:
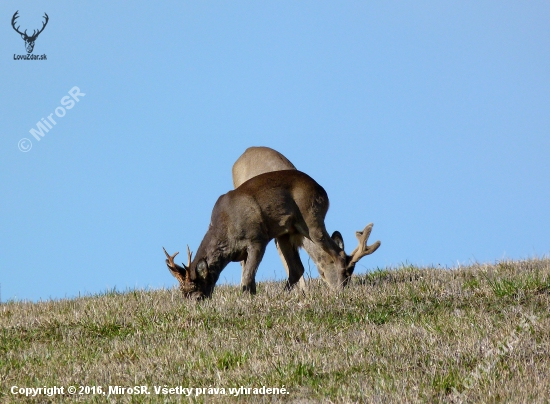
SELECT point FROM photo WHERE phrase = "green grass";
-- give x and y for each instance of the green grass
(395, 335)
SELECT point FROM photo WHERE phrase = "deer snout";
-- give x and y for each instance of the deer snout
(196, 296)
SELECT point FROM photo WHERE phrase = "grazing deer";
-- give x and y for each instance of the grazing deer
(258, 160)
(287, 205)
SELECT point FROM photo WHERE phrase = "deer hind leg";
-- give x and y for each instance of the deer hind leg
(288, 248)
(255, 253)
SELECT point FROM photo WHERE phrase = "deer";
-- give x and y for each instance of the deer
(258, 160)
(29, 40)
(286, 205)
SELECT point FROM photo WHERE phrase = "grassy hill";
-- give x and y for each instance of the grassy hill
(471, 334)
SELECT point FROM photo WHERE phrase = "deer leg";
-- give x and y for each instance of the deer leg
(295, 268)
(255, 253)
(243, 266)
(282, 257)
(302, 280)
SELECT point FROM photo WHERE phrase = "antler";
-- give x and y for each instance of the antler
(15, 17)
(189, 255)
(170, 258)
(363, 249)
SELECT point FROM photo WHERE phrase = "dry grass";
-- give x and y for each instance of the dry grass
(404, 335)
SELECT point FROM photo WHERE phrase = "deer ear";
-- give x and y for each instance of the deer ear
(202, 268)
(338, 239)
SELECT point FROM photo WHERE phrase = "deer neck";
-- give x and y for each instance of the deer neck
(215, 253)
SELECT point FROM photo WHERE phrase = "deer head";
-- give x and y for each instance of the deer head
(193, 279)
(29, 40)
(329, 273)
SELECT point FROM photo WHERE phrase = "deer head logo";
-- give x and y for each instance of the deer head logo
(29, 40)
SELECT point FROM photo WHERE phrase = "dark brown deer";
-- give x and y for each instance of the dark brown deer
(29, 40)
(258, 160)
(288, 206)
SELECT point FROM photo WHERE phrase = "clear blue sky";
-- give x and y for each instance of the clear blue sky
(430, 119)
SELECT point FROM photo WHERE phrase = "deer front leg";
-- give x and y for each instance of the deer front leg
(293, 264)
(254, 256)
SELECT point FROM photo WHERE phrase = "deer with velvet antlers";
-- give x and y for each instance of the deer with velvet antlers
(258, 160)
(271, 200)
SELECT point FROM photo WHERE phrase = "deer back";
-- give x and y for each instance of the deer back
(274, 201)
(258, 160)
